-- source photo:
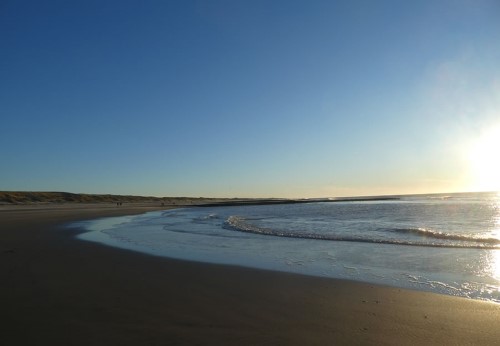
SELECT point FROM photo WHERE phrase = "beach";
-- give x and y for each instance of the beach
(59, 290)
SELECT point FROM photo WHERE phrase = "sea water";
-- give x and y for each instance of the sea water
(441, 243)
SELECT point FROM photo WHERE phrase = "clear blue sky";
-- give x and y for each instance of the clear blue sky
(248, 98)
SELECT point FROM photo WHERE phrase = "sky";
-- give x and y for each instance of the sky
(250, 98)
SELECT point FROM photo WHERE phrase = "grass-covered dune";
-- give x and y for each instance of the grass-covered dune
(27, 197)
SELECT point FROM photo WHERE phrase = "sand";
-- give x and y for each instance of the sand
(58, 290)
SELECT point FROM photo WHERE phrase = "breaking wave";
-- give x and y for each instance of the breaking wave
(426, 233)
(441, 240)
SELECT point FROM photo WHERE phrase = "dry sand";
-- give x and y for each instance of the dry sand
(57, 290)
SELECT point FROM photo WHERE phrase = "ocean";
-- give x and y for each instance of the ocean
(448, 244)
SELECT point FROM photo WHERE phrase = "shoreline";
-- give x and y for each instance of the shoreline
(62, 290)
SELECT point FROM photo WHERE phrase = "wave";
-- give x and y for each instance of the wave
(168, 228)
(206, 218)
(243, 225)
(426, 233)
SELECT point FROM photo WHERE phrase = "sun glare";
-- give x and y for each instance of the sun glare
(485, 161)
(495, 264)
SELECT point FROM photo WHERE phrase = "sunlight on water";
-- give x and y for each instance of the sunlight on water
(485, 161)
(494, 260)
(495, 264)
(496, 253)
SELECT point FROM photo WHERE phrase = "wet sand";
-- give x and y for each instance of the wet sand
(59, 290)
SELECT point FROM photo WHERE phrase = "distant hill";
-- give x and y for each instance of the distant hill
(26, 197)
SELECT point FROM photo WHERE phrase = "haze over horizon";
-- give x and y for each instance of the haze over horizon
(250, 98)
